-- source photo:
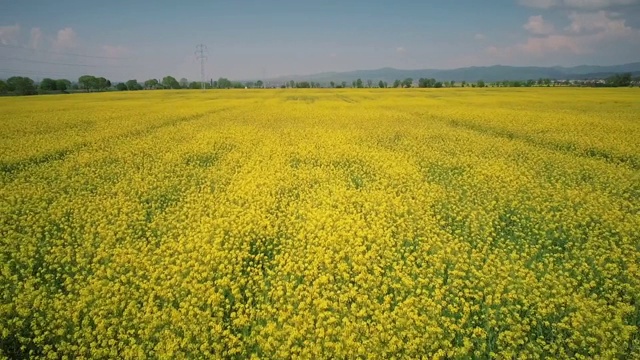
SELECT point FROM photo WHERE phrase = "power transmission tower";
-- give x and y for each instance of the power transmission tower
(200, 52)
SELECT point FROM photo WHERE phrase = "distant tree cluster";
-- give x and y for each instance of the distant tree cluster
(619, 80)
(19, 85)
(92, 83)
(152, 84)
(309, 84)
(49, 85)
(224, 83)
(429, 83)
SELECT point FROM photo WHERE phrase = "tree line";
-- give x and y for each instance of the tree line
(19, 85)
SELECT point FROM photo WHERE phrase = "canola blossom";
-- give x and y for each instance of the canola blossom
(318, 223)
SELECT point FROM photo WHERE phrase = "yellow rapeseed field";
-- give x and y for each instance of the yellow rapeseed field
(310, 224)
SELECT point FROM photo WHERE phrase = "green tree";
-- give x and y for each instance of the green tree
(619, 80)
(426, 83)
(102, 83)
(381, 84)
(344, 84)
(359, 84)
(481, 83)
(48, 84)
(21, 85)
(151, 84)
(169, 82)
(259, 84)
(437, 85)
(3, 87)
(453, 83)
(133, 85)
(224, 83)
(63, 84)
(88, 82)
(121, 87)
(332, 84)
(397, 83)
(184, 83)
(407, 82)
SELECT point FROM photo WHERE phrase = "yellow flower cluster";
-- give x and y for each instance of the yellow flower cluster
(448, 223)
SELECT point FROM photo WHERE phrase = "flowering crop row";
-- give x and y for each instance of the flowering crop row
(458, 223)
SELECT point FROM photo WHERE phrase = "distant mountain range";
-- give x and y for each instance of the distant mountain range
(471, 74)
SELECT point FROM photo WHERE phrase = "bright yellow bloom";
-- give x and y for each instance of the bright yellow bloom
(321, 224)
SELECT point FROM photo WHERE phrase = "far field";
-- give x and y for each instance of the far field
(318, 223)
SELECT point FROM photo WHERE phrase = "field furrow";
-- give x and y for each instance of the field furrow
(449, 223)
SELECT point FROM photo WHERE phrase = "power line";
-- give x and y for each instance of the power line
(200, 55)
(58, 63)
(33, 73)
(61, 53)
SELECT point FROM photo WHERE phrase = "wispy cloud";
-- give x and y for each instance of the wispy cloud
(539, 4)
(540, 46)
(585, 34)
(65, 39)
(401, 50)
(597, 4)
(601, 21)
(538, 26)
(35, 39)
(577, 4)
(9, 34)
(479, 37)
(114, 51)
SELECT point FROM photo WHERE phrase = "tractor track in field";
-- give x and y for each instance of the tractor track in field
(11, 169)
(566, 148)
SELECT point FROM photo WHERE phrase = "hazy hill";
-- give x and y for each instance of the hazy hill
(471, 74)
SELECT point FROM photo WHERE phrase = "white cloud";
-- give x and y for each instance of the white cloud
(577, 4)
(541, 46)
(479, 37)
(537, 26)
(601, 21)
(539, 4)
(114, 51)
(66, 39)
(586, 33)
(9, 34)
(401, 50)
(36, 38)
(597, 4)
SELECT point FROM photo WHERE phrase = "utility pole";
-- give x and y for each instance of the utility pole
(200, 55)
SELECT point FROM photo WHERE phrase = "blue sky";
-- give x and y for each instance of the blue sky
(250, 39)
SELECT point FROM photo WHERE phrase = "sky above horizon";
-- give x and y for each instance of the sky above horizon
(252, 39)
